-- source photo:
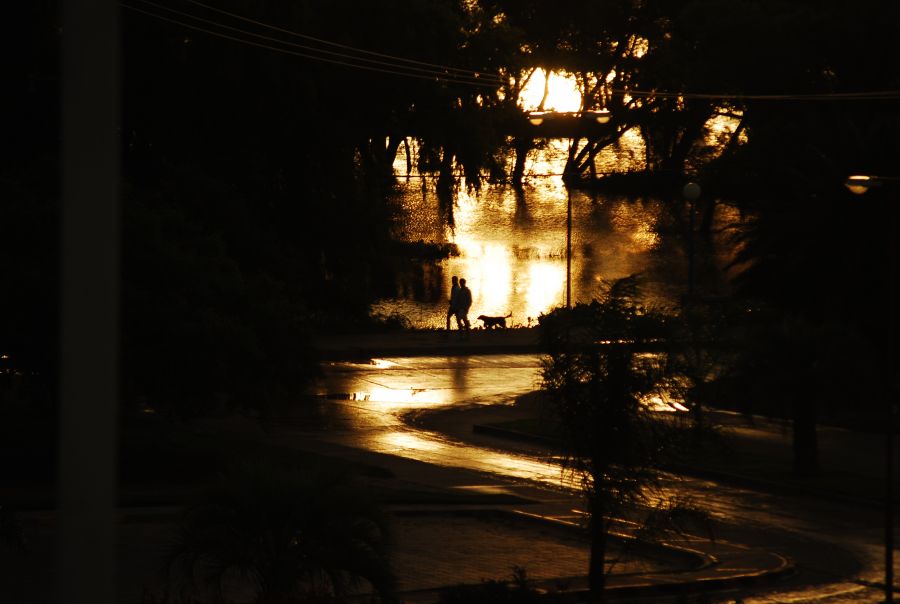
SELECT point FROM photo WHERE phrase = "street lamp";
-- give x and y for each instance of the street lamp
(536, 118)
(601, 117)
(859, 184)
(691, 193)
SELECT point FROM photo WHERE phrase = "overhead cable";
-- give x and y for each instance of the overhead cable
(874, 95)
(459, 70)
(304, 47)
(397, 70)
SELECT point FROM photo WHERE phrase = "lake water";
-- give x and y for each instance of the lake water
(512, 249)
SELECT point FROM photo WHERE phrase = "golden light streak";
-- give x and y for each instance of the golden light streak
(385, 399)
(544, 290)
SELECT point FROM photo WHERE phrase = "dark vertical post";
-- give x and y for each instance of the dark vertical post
(691, 192)
(691, 252)
(568, 249)
(859, 184)
(89, 325)
(889, 403)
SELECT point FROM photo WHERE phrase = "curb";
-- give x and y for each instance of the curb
(780, 488)
(705, 562)
(741, 480)
(512, 434)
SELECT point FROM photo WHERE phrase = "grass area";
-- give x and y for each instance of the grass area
(851, 462)
(534, 426)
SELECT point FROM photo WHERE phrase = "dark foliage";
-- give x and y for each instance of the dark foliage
(517, 591)
(599, 375)
(285, 536)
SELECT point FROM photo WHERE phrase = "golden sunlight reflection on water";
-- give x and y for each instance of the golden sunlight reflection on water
(512, 247)
(635, 223)
(545, 288)
(513, 252)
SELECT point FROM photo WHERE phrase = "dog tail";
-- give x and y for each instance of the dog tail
(508, 316)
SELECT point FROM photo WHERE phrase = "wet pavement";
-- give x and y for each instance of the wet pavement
(370, 406)
(377, 407)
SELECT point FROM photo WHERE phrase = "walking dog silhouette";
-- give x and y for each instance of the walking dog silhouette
(494, 322)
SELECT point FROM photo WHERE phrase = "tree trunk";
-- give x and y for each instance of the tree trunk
(445, 187)
(522, 145)
(570, 171)
(707, 214)
(597, 564)
(408, 156)
(390, 154)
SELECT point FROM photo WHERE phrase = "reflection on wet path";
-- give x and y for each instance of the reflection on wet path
(366, 406)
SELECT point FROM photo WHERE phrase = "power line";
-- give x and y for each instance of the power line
(474, 73)
(408, 74)
(410, 68)
(875, 95)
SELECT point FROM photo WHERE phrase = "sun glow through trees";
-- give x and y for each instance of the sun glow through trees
(563, 93)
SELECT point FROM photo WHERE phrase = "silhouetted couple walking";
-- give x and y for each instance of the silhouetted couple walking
(460, 303)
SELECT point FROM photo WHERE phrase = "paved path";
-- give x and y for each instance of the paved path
(837, 544)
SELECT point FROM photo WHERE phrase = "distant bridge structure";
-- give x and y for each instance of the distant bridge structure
(566, 124)
(541, 124)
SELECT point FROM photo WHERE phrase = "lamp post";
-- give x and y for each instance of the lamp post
(568, 248)
(691, 193)
(536, 118)
(601, 117)
(859, 185)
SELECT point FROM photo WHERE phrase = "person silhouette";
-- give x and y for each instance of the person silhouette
(463, 305)
(454, 296)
